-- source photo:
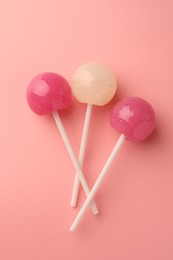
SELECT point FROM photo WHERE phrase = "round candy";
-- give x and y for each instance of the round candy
(48, 92)
(133, 117)
(94, 83)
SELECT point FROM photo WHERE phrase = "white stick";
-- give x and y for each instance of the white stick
(98, 182)
(81, 154)
(73, 158)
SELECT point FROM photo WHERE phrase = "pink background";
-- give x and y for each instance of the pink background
(133, 37)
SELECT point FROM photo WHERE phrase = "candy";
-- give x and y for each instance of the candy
(47, 93)
(95, 84)
(133, 117)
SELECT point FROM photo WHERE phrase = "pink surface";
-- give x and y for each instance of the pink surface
(135, 39)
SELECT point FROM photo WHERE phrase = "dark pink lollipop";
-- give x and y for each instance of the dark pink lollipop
(135, 119)
(47, 93)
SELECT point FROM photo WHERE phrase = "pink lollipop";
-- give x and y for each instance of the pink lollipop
(47, 93)
(135, 119)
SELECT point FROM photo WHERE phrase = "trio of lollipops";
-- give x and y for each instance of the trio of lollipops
(94, 84)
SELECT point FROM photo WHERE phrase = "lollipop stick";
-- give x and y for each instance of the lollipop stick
(98, 182)
(81, 154)
(73, 158)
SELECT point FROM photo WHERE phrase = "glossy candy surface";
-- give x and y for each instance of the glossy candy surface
(133, 117)
(48, 92)
(94, 83)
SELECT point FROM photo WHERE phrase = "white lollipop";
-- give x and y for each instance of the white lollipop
(94, 84)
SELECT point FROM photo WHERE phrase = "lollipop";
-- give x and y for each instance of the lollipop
(135, 119)
(94, 84)
(47, 93)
